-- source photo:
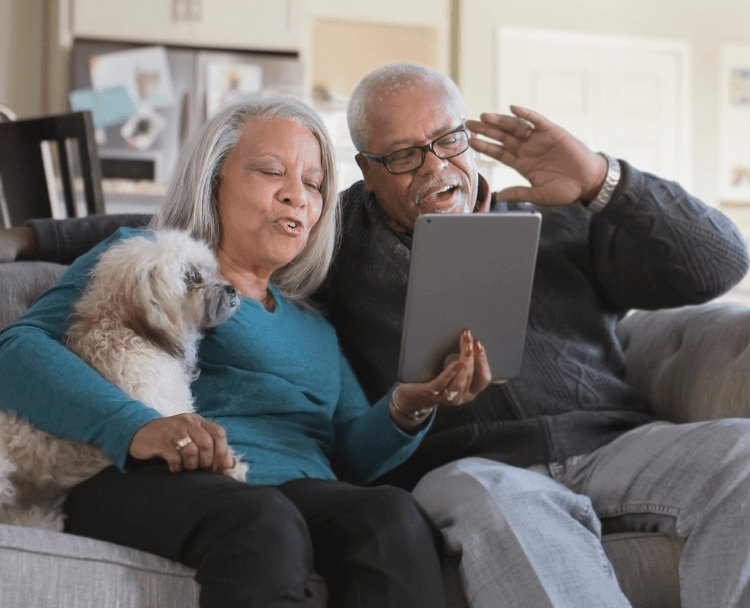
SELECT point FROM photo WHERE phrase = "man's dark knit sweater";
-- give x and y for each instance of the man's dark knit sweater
(653, 246)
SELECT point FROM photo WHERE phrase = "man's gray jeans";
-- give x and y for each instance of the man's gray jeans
(531, 537)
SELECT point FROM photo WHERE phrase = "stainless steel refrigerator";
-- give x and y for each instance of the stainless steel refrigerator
(200, 82)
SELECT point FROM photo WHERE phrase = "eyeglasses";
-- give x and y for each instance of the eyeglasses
(446, 146)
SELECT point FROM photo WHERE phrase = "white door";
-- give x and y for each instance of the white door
(627, 97)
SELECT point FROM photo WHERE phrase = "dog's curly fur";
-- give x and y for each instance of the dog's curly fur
(138, 323)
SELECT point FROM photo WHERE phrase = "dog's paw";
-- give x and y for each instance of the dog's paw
(8, 492)
(238, 471)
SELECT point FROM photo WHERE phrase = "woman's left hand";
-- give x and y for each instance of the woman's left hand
(459, 383)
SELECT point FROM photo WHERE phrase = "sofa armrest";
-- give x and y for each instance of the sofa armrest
(692, 362)
(21, 283)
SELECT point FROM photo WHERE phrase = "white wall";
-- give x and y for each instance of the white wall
(429, 13)
(704, 24)
(6, 17)
(402, 12)
(21, 50)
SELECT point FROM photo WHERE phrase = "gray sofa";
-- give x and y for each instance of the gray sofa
(691, 361)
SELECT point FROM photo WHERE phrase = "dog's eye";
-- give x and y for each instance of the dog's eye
(192, 277)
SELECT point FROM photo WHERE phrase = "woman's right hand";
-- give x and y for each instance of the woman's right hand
(185, 441)
(459, 383)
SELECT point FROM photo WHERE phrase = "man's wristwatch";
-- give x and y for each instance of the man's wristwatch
(608, 188)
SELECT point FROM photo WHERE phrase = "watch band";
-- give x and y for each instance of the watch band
(610, 183)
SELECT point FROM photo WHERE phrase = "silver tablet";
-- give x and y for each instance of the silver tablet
(468, 271)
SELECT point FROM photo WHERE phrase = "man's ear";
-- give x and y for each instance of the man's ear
(364, 166)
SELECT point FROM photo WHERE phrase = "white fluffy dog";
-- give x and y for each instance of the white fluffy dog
(138, 323)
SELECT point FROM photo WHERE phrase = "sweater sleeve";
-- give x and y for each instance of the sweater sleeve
(63, 241)
(368, 442)
(55, 390)
(656, 246)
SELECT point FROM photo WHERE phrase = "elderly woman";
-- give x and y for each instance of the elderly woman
(257, 183)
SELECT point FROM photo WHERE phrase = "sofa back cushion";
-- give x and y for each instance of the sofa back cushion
(21, 283)
(691, 362)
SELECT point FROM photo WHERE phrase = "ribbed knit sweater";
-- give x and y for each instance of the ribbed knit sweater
(653, 246)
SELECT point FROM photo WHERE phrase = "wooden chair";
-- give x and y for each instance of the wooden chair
(28, 184)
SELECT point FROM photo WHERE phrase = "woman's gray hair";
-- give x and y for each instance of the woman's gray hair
(190, 203)
(386, 81)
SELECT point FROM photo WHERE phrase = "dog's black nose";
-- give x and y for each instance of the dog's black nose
(230, 290)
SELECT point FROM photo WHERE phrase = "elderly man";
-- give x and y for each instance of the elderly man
(522, 480)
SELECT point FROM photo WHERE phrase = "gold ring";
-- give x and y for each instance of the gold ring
(451, 396)
(183, 442)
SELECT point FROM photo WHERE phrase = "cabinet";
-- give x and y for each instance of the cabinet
(279, 25)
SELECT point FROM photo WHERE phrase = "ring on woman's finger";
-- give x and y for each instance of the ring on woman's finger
(450, 396)
(183, 442)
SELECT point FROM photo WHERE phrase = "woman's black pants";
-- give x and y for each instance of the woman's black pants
(256, 546)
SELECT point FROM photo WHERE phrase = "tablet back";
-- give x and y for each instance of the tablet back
(468, 271)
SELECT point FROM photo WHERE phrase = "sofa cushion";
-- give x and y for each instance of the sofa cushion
(42, 569)
(21, 283)
(691, 362)
(647, 567)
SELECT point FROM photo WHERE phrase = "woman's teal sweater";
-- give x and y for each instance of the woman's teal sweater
(277, 382)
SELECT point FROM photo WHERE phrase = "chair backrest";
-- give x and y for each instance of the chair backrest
(28, 190)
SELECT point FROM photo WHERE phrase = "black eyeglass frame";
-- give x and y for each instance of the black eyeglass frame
(383, 160)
